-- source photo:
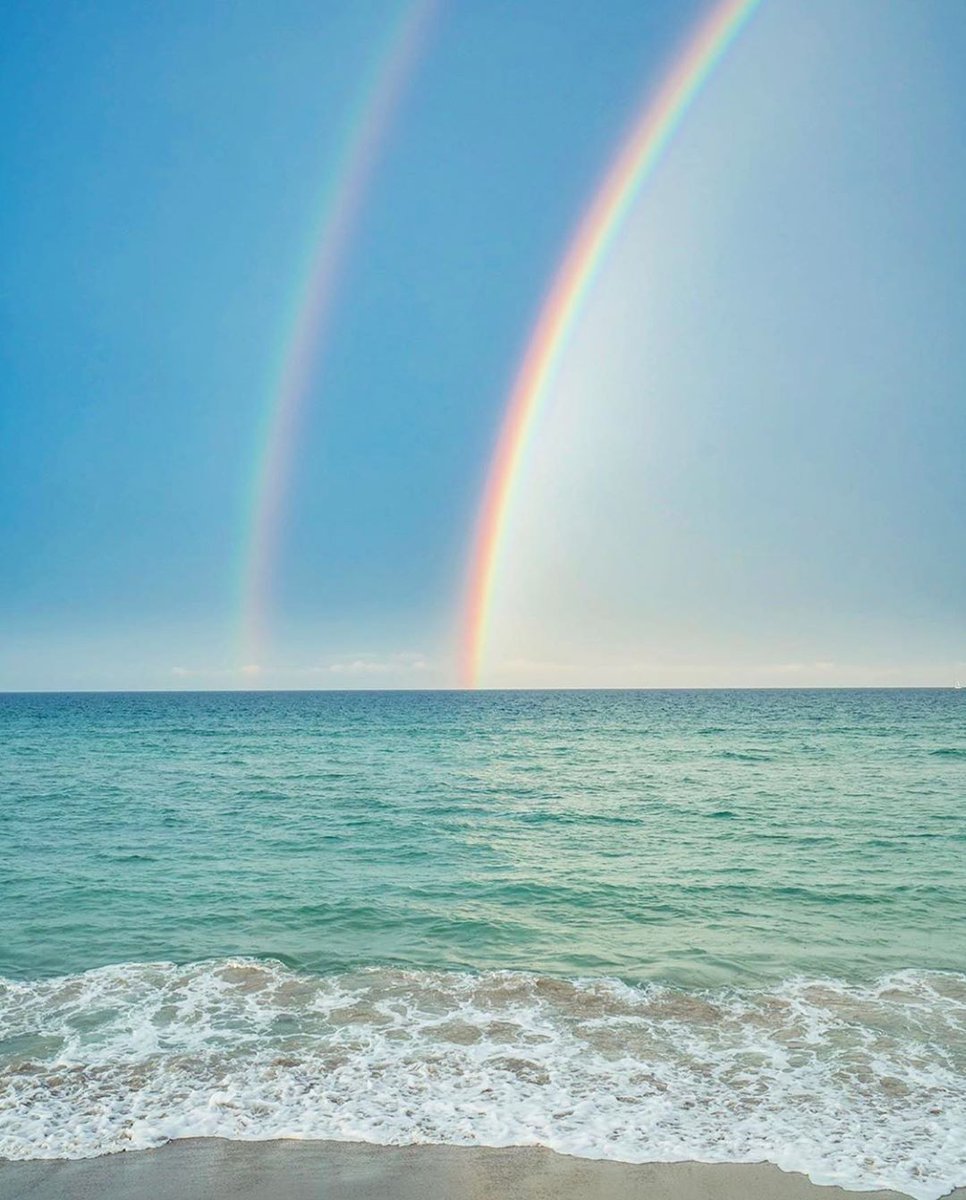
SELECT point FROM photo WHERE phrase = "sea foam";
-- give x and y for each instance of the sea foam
(861, 1086)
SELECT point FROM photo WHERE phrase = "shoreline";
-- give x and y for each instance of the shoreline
(219, 1169)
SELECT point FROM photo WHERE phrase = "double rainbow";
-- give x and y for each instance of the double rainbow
(635, 161)
(362, 140)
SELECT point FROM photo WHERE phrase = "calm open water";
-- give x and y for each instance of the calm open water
(639, 925)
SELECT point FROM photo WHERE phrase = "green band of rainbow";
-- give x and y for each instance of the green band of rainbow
(301, 348)
(561, 308)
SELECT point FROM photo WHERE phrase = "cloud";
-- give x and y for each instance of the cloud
(359, 665)
(798, 668)
(224, 673)
(401, 663)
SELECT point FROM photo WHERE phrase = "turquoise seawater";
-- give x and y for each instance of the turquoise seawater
(642, 925)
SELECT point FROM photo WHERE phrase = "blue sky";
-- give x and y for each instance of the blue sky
(162, 167)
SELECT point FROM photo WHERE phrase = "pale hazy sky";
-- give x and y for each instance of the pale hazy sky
(750, 469)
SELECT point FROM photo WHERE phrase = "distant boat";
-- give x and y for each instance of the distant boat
(958, 686)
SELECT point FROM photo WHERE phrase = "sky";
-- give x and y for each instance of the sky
(748, 470)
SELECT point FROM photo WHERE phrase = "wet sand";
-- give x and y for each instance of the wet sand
(213, 1169)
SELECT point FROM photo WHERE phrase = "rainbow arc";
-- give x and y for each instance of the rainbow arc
(638, 156)
(307, 327)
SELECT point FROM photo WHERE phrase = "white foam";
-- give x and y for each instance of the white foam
(857, 1086)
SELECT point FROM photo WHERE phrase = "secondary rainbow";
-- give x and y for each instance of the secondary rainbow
(595, 234)
(301, 349)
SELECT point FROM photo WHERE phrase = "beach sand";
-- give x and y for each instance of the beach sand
(213, 1169)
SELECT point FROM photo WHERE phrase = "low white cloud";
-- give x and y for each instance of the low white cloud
(358, 666)
(401, 663)
(798, 668)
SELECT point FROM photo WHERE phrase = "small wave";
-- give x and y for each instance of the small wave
(856, 1085)
(751, 756)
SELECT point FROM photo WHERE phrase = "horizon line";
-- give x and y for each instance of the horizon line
(802, 687)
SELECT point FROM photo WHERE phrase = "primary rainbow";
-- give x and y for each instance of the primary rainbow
(595, 234)
(301, 346)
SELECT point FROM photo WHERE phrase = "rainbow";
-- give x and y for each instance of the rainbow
(561, 308)
(362, 139)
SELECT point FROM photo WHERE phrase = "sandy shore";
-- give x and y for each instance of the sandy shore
(212, 1169)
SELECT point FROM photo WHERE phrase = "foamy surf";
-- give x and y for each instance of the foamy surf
(861, 1086)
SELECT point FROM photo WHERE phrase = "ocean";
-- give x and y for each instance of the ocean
(646, 926)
